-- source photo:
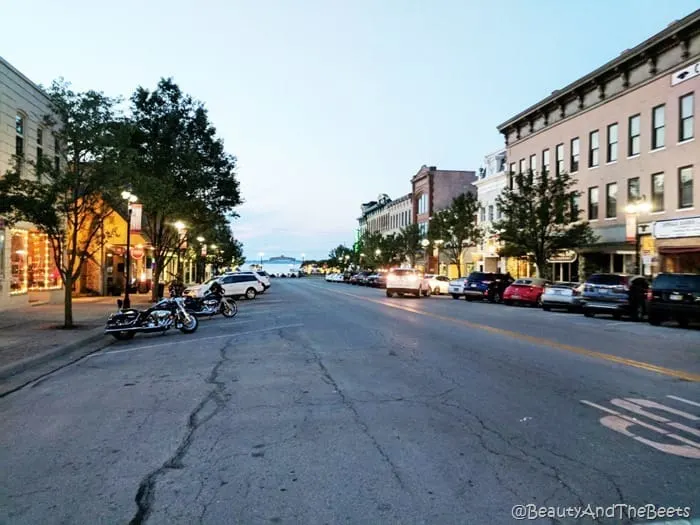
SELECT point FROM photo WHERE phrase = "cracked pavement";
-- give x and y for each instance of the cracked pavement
(315, 406)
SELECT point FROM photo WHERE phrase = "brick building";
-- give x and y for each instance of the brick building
(627, 131)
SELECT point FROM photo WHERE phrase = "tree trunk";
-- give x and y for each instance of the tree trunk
(68, 302)
(154, 283)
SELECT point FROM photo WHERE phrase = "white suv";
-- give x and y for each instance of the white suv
(407, 280)
(261, 276)
(241, 285)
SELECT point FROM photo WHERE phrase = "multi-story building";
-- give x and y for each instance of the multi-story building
(628, 133)
(434, 190)
(490, 182)
(386, 216)
(27, 268)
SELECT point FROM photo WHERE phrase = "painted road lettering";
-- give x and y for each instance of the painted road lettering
(672, 443)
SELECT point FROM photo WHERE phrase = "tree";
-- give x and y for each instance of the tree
(180, 170)
(457, 228)
(337, 256)
(541, 218)
(69, 202)
(409, 243)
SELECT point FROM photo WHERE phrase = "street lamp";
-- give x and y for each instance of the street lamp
(425, 243)
(179, 226)
(261, 254)
(130, 198)
(634, 210)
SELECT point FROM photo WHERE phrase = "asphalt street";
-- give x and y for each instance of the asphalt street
(323, 403)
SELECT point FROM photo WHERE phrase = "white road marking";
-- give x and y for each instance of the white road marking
(272, 328)
(621, 423)
(682, 400)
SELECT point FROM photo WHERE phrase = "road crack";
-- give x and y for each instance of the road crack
(207, 408)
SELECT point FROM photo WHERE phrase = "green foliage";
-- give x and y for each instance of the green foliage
(340, 256)
(67, 202)
(541, 218)
(179, 168)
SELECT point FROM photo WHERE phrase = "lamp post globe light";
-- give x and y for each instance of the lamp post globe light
(635, 209)
(425, 243)
(130, 198)
(179, 226)
(200, 260)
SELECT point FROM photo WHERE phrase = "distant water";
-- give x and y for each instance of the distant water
(277, 267)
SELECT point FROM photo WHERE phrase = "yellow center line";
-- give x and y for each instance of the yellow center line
(688, 376)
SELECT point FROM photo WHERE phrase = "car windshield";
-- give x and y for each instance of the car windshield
(677, 282)
(607, 279)
(403, 272)
(481, 276)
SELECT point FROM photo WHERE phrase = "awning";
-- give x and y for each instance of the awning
(673, 250)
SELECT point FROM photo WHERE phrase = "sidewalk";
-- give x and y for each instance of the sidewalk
(31, 335)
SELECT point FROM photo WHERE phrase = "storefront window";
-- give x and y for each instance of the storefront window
(18, 262)
(42, 272)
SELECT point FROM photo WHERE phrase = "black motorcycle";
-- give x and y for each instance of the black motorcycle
(160, 317)
(212, 303)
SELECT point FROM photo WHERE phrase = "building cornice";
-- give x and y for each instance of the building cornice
(26, 79)
(679, 31)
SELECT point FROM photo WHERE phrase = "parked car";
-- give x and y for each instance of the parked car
(199, 290)
(616, 294)
(241, 285)
(481, 285)
(439, 284)
(358, 277)
(527, 290)
(407, 280)
(260, 275)
(562, 295)
(674, 296)
(377, 280)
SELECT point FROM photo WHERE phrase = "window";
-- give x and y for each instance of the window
(498, 212)
(19, 140)
(422, 204)
(575, 208)
(491, 213)
(658, 127)
(685, 131)
(634, 140)
(657, 192)
(611, 200)
(560, 159)
(593, 149)
(612, 143)
(685, 187)
(512, 167)
(533, 163)
(39, 144)
(634, 190)
(19, 124)
(545, 160)
(423, 228)
(574, 154)
(592, 203)
(522, 165)
(482, 214)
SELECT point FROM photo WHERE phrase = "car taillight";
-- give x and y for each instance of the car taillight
(649, 294)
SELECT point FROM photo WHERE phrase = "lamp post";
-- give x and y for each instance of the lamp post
(200, 260)
(634, 210)
(179, 226)
(130, 198)
(425, 243)
(303, 256)
(261, 254)
(214, 250)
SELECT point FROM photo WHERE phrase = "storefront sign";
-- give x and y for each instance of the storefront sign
(136, 213)
(566, 256)
(630, 228)
(675, 228)
(137, 252)
(692, 71)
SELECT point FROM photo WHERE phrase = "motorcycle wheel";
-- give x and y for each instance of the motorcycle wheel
(123, 336)
(229, 308)
(189, 326)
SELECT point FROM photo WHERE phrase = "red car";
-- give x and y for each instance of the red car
(527, 290)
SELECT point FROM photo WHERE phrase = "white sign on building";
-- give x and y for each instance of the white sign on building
(675, 228)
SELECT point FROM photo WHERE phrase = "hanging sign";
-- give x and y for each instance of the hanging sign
(136, 213)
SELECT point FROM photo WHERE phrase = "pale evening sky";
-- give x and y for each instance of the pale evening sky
(327, 104)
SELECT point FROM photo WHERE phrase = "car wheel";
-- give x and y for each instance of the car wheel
(389, 293)
(436, 290)
(496, 297)
(547, 308)
(428, 292)
(538, 302)
(467, 298)
(507, 302)
(683, 322)
(654, 319)
(588, 313)
(455, 296)
(419, 293)
(617, 316)
(250, 293)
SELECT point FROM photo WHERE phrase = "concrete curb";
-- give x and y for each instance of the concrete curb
(92, 336)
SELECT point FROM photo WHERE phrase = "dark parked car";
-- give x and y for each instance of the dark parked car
(674, 296)
(377, 280)
(481, 285)
(360, 278)
(616, 294)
